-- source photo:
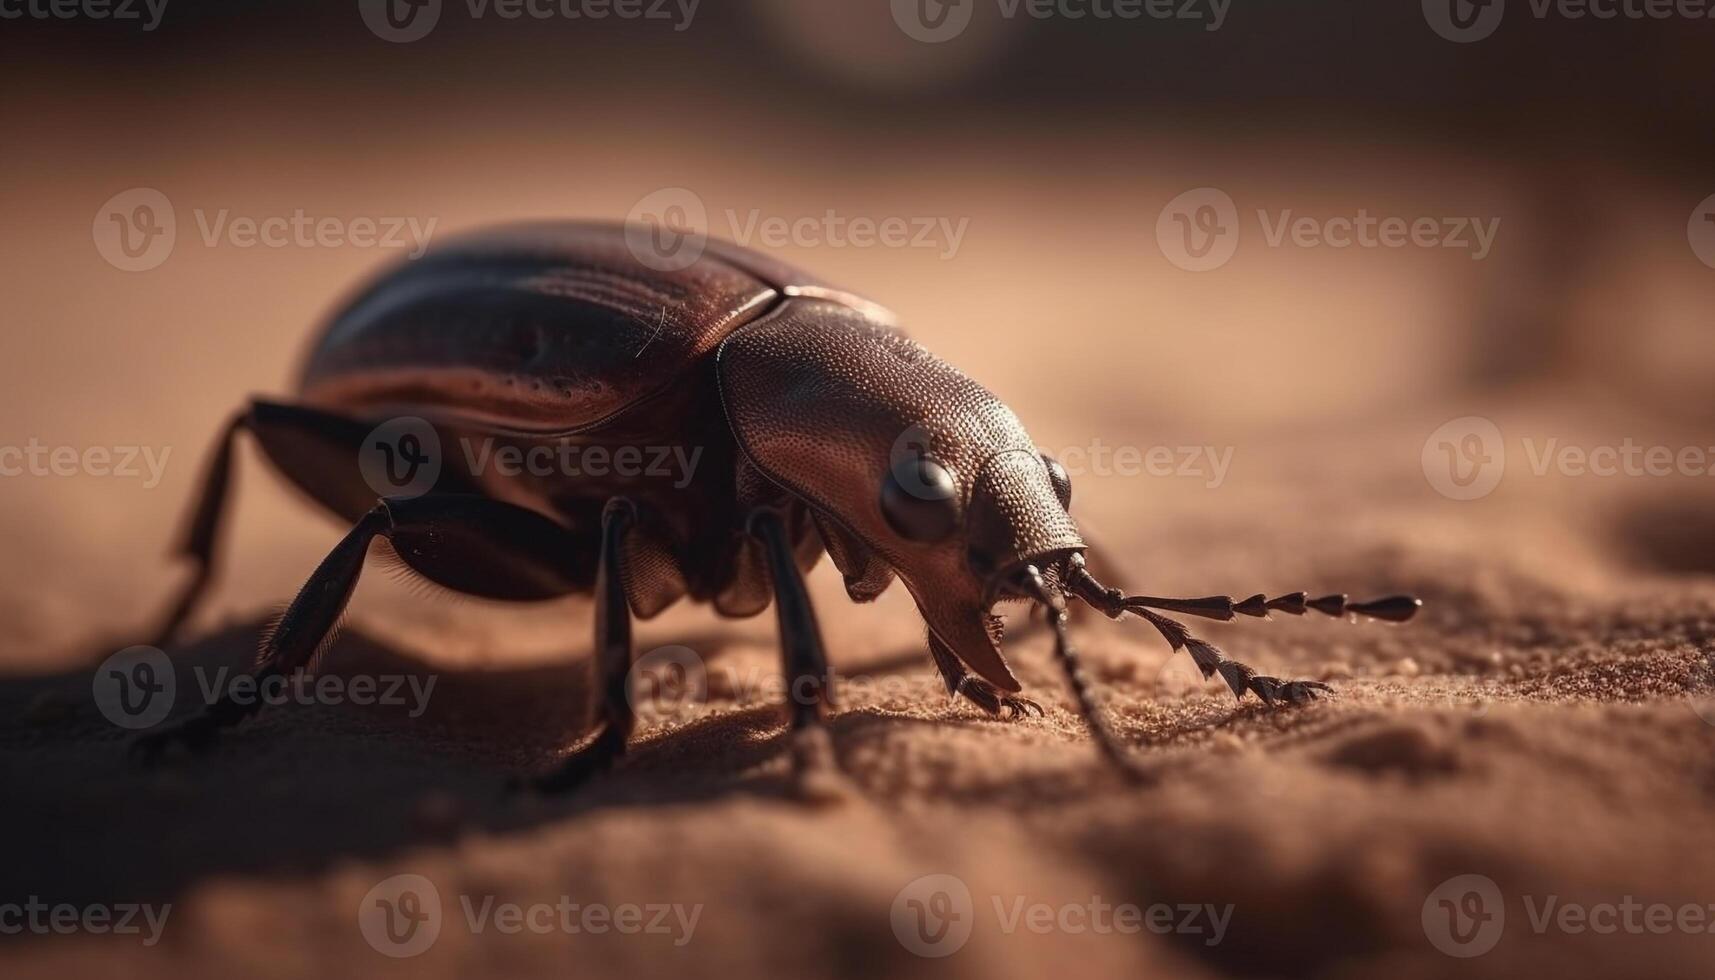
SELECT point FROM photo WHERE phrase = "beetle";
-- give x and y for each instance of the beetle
(816, 426)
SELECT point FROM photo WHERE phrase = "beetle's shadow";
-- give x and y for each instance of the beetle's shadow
(425, 757)
(408, 755)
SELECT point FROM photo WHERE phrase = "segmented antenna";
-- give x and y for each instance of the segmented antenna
(1393, 608)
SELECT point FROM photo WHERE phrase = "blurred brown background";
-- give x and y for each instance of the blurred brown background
(1055, 145)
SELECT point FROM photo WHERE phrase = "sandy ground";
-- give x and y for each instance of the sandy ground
(1546, 724)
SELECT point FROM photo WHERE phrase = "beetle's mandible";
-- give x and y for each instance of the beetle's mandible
(815, 426)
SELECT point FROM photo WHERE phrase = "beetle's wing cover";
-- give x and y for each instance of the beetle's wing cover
(822, 399)
(550, 327)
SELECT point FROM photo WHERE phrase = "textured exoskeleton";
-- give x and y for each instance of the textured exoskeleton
(768, 416)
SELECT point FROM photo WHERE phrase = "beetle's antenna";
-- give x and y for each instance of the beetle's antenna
(1031, 583)
(1209, 658)
(1393, 608)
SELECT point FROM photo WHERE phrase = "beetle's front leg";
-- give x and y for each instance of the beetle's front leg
(963, 683)
(805, 663)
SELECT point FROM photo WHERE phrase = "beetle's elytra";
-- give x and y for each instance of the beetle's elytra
(817, 426)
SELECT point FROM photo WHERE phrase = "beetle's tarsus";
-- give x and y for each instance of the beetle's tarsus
(196, 734)
(994, 701)
(581, 766)
(816, 774)
(963, 683)
(1275, 692)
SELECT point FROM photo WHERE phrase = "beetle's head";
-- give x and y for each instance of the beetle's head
(912, 469)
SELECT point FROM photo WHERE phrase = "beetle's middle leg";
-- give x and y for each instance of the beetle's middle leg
(612, 703)
(446, 535)
(805, 661)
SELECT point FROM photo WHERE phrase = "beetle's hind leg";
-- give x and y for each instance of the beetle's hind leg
(203, 532)
(963, 683)
(452, 530)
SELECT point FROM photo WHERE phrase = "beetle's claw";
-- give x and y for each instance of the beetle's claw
(1275, 692)
(992, 700)
(1021, 708)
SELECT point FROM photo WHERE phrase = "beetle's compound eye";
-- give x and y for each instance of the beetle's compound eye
(920, 499)
(1062, 482)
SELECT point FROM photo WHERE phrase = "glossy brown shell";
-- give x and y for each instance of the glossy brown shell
(550, 327)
